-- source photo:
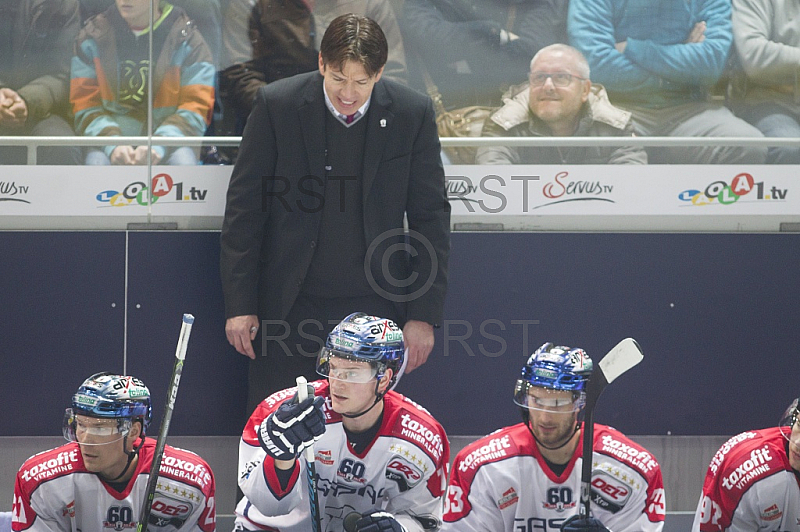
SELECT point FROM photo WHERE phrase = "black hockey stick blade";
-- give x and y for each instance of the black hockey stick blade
(620, 359)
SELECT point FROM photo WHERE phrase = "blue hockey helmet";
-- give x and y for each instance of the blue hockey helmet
(557, 368)
(364, 338)
(109, 396)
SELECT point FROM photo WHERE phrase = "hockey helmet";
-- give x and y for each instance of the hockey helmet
(109, 396)
(554, 368)
(364, 338)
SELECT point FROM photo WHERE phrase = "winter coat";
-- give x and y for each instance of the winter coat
(598, 119)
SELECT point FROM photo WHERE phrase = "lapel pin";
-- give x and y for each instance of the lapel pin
(383, 122)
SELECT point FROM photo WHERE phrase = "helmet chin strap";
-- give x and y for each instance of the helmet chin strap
(131, 456)
(378, 397)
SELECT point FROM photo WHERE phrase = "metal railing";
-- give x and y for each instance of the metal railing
(31, 143)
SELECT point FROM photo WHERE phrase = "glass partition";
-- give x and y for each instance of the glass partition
(90, 139)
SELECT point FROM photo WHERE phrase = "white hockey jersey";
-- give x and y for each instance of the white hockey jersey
(750, 485)
(55, 492)
(403, 471)
(501, 483)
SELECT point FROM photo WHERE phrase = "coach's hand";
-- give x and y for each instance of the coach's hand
(586, 524)
(241, 331)
(418, 337)
(292, 428)
(379, 522)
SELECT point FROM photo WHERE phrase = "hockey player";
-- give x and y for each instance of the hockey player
(381, 459)
(99, 480)
(527, 477)
(752, 482)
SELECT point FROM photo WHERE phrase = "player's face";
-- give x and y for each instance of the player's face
(794, 447)
(137, 12)
(350, 87)
(550, 101)
(101, 445)
(352, 385)
(552, 415)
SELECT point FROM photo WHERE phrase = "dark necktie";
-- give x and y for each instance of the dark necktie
(349, 118)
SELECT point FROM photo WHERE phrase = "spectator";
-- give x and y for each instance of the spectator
(559, 101)
(475, 49)
(767, 93)
(36, 39)
(659, 59)
(109, 81)
(268, 40)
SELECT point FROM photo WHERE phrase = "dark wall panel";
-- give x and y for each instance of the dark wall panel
(62, 311)
(716, 315)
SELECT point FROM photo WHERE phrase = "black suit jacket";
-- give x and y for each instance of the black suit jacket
(273, 211)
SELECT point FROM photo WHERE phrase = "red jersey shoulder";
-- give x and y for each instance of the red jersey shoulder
(611, 442)
(181, 465)
(50, 464)
(499, 445)
(747, 458)
(408, 421)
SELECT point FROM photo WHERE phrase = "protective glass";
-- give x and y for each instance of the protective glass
(560, 79)
(77, 428)
(547, 400)
(341, 366)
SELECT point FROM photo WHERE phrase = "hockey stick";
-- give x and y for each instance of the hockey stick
(172, 393)
(311, 468)
(620, 359)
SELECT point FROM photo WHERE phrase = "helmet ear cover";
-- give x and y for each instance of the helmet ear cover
(790, 417)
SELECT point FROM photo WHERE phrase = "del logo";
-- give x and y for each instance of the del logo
(11, 191)
(163, 189)
(563, 190)
(720, 192)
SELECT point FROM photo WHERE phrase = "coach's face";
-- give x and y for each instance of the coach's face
(349, 87)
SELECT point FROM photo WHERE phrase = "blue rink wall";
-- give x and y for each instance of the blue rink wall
(716, 315)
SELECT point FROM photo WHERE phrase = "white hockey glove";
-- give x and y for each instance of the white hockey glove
(379, 522)
(292, 428)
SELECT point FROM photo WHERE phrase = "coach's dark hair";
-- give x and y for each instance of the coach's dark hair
(352, 37)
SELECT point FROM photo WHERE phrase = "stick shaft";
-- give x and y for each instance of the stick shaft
(172, 393)
(311, 468)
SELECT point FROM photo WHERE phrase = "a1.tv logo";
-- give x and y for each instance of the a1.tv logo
(727, 193)
(163, 187)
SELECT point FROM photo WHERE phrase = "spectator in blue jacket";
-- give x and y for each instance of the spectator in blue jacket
(659, 59)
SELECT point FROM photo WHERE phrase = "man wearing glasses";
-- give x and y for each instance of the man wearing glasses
(527, 477)
(559, 101)
(99, 480)
(381, 459)
(752, 481)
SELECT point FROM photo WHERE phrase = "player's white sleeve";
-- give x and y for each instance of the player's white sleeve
(635, 517)
(468, 504)
(259, 482)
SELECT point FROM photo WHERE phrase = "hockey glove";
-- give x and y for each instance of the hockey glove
(587, 524)
(379, 522)
(292, 428)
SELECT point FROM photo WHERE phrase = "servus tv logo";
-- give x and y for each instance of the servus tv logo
(163, 189)
(11, 191)
(741, 186)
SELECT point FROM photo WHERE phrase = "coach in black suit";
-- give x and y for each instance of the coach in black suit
(329, 165)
